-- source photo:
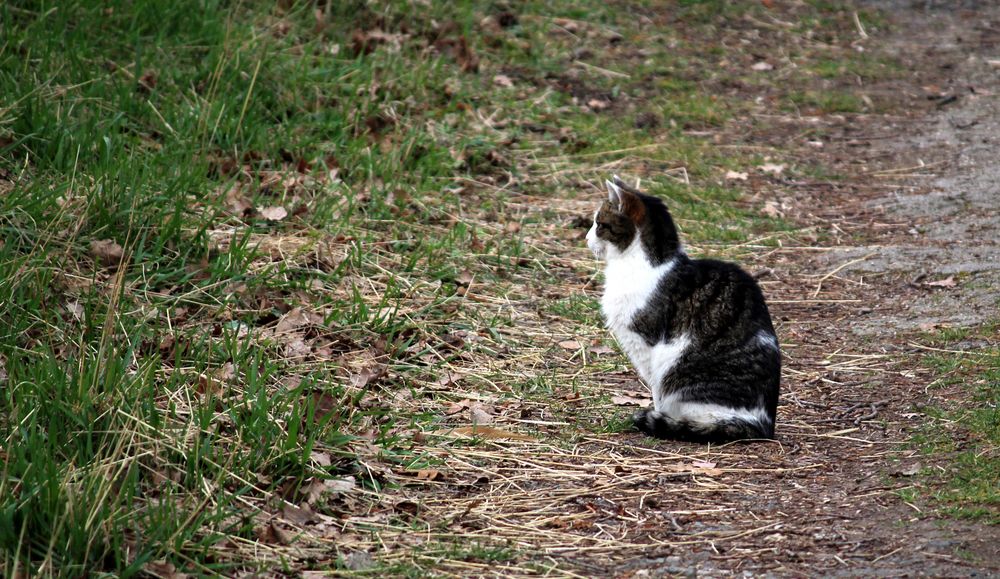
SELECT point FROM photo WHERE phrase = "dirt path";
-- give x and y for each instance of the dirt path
(944, 195)
(907, 244)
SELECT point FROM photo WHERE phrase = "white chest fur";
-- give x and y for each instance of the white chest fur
(629, 281)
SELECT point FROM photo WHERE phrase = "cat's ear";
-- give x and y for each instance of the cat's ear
(614, 195)
(624, 201)
(632, 206)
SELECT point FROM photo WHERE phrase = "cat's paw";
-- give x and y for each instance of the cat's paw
(643, 419)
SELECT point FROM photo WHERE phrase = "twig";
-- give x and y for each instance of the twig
(965, 352)
(860, 27)
(604, 71)
(833, 272)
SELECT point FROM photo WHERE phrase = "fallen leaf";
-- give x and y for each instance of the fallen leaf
(628, 401)
(235, 201)
(280, 535)
(147, 82)
(298, 515)
(570, 345)
(762, 66)
(75, 309)
(459, 49)
(448, 380)
(601, 350)
(296, 318)
(772, 168)
(598, 104)
(359, 561)
(771, 209)
(946, 282)
(408, 507)
(276, 213)
(369, 375)
(319, 488)
(456, 407)
(326, 404)
(162, 569)
(365, 42)
(107, 251)
(478, 415)
(428, 474)
(464, 279)
(706, 468)
(320, 458)
(297, 348)
(736, 176)
(503, 80)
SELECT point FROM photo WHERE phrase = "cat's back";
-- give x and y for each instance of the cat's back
(714, 278)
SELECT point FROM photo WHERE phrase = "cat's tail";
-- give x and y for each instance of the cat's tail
(661, 425)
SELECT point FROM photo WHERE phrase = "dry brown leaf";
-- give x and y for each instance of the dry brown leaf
(428, 474)
(297, 318)
(359, 561)
(570, 345)
(503, 80)
(107, 251)
(276, 213)
(456, 407)
(459, 49)
(448, 380)
(771, 209)
(772, 168)
(147, 82)
(705, 468)
(235, 201)
(317, 489)
(208, 386)
(762, 66)
(163, 569)
(628, 401)
(737, 176)
(601, 350)
(298, 515)
(478, 415)
(369, 375)
(946, 282)
(279, 535)
(598, 104)
(296, 347)
(75, 309)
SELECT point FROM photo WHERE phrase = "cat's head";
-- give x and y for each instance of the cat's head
(629, 217)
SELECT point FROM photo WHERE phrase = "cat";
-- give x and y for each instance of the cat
(696, 330)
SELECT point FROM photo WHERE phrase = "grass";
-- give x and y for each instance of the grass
(964, 427)
(251, 251)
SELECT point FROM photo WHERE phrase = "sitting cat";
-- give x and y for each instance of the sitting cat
(697, 330)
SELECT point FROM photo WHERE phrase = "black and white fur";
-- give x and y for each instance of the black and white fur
(696, 330)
